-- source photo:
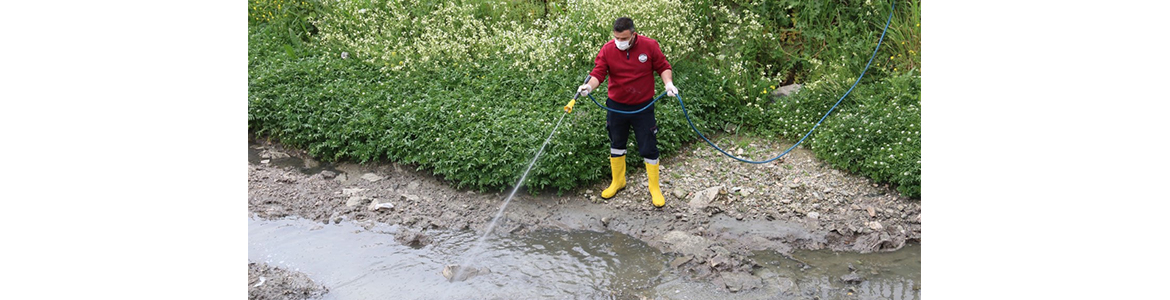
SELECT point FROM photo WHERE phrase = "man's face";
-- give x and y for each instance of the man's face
(623, 36)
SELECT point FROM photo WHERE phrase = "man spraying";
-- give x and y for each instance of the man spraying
(630, 61)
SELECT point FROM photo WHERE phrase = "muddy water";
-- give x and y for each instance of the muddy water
(255, 157)
(358, 263)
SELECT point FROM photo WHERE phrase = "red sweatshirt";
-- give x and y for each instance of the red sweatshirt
(631, 71)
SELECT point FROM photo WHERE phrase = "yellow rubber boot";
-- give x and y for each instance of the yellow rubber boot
(618, 165)
(655, 191)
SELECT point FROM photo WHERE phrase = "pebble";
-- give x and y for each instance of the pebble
(355, 201)
(371, 177)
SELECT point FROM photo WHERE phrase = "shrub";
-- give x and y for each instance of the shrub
(470, 89)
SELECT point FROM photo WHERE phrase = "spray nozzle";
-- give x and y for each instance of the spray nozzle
(569, 107)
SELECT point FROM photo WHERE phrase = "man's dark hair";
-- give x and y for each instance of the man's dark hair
(623, 24)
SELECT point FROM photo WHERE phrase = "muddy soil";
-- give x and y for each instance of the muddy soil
(718, 210)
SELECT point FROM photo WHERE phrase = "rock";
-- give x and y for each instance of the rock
(351, 192)
(738, 282)
(814, 215)
(371, 177)
(265, 161)
(328, 174)
(413, 239)
(674, 264)
(703, 198)
(871, 212)
(589, 192)
(412, 186)
(377, 204)
(875, 225)
(342, 177)
(788, 90)
(311, 163)
(355, 201)
(679, 193)
(855, 206)
(852, 278)
(720, 262)
(411, 198)
(901, 207)
(461, 273)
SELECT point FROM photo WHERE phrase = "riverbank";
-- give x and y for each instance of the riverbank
(718, 210)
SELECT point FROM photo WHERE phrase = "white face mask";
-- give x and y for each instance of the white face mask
(622, 45)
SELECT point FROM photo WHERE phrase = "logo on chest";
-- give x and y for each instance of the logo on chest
(642, 57)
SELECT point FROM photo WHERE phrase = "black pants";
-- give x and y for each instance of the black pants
(644, 124)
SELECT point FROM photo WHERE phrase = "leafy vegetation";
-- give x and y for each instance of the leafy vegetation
(469, 89)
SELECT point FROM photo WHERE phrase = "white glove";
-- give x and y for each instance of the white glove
(671, 90)
(584, 89)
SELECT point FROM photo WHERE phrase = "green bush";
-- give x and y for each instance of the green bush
(470, 89)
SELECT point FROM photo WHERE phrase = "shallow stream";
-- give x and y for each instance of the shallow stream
(359, 263)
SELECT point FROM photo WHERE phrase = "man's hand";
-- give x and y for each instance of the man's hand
(671, 90)
(584, 89)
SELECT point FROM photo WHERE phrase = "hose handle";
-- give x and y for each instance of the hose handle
(569, 107)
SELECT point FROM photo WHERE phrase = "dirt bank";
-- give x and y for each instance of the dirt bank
(267, 282)
(718, 210)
